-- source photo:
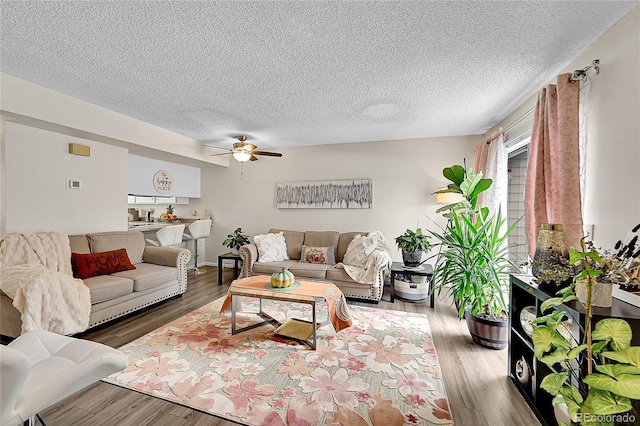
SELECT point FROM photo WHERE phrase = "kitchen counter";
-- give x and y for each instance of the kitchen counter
(143, 226)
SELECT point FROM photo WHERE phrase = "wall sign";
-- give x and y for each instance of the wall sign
(162, 181)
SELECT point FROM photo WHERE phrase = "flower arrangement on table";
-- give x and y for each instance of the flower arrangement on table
(624, 265)
(620, 266)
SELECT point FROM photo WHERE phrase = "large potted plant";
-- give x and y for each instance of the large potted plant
(236, 239)
(590, 397)
(413, 244)
(472, 264)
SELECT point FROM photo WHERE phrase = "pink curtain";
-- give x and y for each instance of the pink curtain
(491, 160)
(552, 191)
(482, 153)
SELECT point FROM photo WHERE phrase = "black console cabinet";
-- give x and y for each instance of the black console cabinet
(526, 295)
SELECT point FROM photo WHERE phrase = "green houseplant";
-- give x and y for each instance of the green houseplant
(472, 263)
(236, 239)
(413, 244)
(594, 398)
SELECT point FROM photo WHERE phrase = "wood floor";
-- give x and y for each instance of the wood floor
(475, 378)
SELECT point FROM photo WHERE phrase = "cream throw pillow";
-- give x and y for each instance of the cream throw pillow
(271, 247)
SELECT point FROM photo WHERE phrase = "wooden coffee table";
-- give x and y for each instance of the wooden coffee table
(305, 292)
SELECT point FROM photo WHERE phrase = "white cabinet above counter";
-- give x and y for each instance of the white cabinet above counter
(161, 180)
(135, 199)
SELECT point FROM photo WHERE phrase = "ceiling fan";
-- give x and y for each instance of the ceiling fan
(244, 152)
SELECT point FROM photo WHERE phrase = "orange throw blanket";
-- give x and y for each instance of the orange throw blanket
(338, 309)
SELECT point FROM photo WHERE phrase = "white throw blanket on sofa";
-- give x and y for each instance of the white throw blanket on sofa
(365, 256)
(35, 271)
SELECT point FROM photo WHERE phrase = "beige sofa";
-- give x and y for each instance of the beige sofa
(161, 273)
(313, 271)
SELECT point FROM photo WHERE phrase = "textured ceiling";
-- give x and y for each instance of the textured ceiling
(292, 73)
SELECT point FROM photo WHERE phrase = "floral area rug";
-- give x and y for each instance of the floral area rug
(383, 370)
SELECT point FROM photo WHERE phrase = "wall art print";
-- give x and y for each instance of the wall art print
(327, 194)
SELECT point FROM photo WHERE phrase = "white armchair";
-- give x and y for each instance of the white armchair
(40, 368)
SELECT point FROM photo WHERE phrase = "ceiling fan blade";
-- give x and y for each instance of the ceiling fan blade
(267, 153)
(222, 153)
(253, 158)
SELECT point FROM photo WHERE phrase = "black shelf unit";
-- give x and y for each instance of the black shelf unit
(524, 293)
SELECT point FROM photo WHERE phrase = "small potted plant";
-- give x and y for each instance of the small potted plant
(236, 239)
(413, 244)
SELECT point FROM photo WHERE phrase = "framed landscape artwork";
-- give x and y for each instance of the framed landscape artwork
(327, 194)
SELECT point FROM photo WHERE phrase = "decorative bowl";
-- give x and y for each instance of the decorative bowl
(169, 217)
(527, 315)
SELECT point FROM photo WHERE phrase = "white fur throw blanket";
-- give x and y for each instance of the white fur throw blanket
(365, 256)
(35, 271)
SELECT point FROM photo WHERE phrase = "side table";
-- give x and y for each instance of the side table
(228, 256)
(398, 268)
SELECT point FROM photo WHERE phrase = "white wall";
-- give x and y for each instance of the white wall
(72, 119)
(37, 166)
(404, 173)
(612, 197)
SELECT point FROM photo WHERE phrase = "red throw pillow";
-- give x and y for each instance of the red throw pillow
(103, 263)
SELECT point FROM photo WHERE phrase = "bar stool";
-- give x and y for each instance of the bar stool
(196, 231)
(167, 236)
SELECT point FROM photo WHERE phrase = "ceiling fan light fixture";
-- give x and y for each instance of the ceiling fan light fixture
(242, 157)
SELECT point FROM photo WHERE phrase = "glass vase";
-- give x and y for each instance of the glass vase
(551, 258)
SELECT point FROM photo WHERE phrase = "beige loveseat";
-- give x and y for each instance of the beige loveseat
(161, 273)
(314, 271)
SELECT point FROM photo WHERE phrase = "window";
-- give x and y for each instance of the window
(518, 155)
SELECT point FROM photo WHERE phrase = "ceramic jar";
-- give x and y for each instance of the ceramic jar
(601, 293)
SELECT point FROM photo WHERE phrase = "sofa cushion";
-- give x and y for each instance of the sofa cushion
(148, 275)
(337, 274)
(318, 255)
(107, 287)
(87, 265)
(310, 270)
(79, 244)
(133, 241)
(294, 241)
(269, 268)
(343, 243)
(271, 247)
(321, 238)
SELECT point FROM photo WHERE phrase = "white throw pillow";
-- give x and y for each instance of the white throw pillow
(271, 247)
